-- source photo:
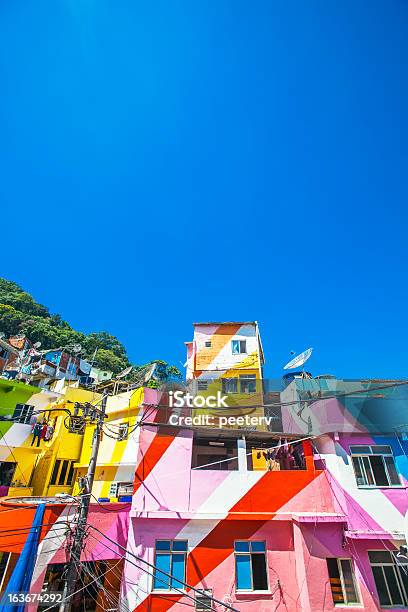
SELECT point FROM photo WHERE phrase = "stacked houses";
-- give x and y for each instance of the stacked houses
(286, 496)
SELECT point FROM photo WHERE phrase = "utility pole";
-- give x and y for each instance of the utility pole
(79, 535)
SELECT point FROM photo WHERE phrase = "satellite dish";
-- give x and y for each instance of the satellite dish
(75, 348)
(37, 345)
(2, 335)
(125, 372)
(299, 360)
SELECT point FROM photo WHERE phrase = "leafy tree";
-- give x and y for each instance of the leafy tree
(12, 294)
(10, 320)
(163, 373)
(107, 360)
(20, 313)
(104, 340)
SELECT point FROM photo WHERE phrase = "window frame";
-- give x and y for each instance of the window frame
(345, 603)
(240, 344)
(250, 553)
(398, 579)
(360, 456)
(225, 382)
(24, 413)
(171, 552)
(247, 379)
(56, 473)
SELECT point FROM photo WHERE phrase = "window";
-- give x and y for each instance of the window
(113, 489)
(229, 385)
(202, 385)
(63, 472)
(123, 431)
(90, 583)
(3, 353)
(170, 557)
(214, 454)
(125, 488)
(204, 601)
(23, 413)
(238, 347)
(390, 577)
(374, 466)
(247, 383)
(342, 581)
(208, 344)
(7, 471)
(250, 566)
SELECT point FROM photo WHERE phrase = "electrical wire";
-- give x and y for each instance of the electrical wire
(140, 559)
(181, 592)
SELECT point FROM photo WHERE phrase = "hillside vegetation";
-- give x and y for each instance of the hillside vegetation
(20, 313)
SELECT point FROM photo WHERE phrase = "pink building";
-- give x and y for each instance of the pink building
(312, 533)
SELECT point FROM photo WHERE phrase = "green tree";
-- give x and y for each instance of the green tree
(104, 340)
(107, 360)
(12, 294)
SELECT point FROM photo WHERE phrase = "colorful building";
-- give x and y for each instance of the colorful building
(307, 515)
(227, 358)
(320, 528)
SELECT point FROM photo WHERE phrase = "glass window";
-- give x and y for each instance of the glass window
(55, 472)
(229, 385)
(238, 347)
(247, 383)
(390, 578)
(374, 469)
(170, 558)
(342, 581)
(360, 450)
(63, 472)
(23, 413)
(250, 566)
(70, 473)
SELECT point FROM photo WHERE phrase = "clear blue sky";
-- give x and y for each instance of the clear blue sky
(170, 162)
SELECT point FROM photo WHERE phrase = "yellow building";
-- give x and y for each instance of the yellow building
(19, 404)
(55, 470)
(115, 470)
(227, 358)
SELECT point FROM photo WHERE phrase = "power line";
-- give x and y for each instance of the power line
(181, 592)
(162, 571)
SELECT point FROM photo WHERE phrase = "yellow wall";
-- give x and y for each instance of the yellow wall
(117, 458)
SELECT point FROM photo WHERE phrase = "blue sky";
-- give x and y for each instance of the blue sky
(171, 162)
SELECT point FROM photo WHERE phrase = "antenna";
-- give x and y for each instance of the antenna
(299, 360)
(125, 372)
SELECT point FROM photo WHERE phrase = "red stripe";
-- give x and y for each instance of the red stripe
(272, 491)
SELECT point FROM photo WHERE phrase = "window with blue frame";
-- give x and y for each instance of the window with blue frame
(170, 558)
(250, 566)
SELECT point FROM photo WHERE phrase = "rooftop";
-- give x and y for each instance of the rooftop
(227, 323)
